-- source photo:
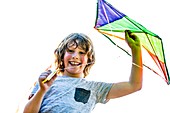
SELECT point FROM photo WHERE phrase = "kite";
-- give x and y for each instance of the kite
(112, 24)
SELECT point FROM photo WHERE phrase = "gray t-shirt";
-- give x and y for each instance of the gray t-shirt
(73, 95)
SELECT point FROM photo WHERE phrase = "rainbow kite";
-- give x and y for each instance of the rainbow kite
(112, 23)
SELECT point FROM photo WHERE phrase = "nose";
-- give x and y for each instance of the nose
(75, 55)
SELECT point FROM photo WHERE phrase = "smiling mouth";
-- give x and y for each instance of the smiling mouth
(74, 63)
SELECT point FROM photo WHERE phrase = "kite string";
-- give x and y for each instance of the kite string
(129, 62)
(137, 65)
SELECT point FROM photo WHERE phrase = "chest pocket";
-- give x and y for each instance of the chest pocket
(82, 95)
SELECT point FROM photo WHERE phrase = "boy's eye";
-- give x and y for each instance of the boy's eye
(70, 51)
(82, 53)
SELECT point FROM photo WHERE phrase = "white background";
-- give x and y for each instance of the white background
(30, 31)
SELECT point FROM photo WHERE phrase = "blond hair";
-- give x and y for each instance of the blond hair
(81, 40)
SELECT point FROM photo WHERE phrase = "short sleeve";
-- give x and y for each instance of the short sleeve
(102, 91)
(36, 87)
(34, 90)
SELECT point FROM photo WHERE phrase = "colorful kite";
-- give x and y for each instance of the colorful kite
(112, 23)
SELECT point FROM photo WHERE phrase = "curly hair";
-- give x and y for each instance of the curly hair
(81, 40)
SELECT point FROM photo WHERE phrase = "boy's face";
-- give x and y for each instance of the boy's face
(75, 60)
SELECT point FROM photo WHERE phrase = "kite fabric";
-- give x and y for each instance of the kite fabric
(112, 24)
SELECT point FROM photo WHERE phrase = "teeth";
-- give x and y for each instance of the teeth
(74, 63)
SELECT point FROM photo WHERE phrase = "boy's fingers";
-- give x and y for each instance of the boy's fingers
(127, 36)
(131, 38)
(44, 75)
(46, 72)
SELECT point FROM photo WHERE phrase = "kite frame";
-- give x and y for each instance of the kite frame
(166, 75)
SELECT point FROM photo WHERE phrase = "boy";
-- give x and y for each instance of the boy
(70, 92)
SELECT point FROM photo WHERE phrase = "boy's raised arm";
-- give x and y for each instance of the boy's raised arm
(135, 81)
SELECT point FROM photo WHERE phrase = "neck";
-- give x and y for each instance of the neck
(73, 75)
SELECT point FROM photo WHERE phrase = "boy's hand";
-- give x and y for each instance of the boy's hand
(45, 86)
(132, 40)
